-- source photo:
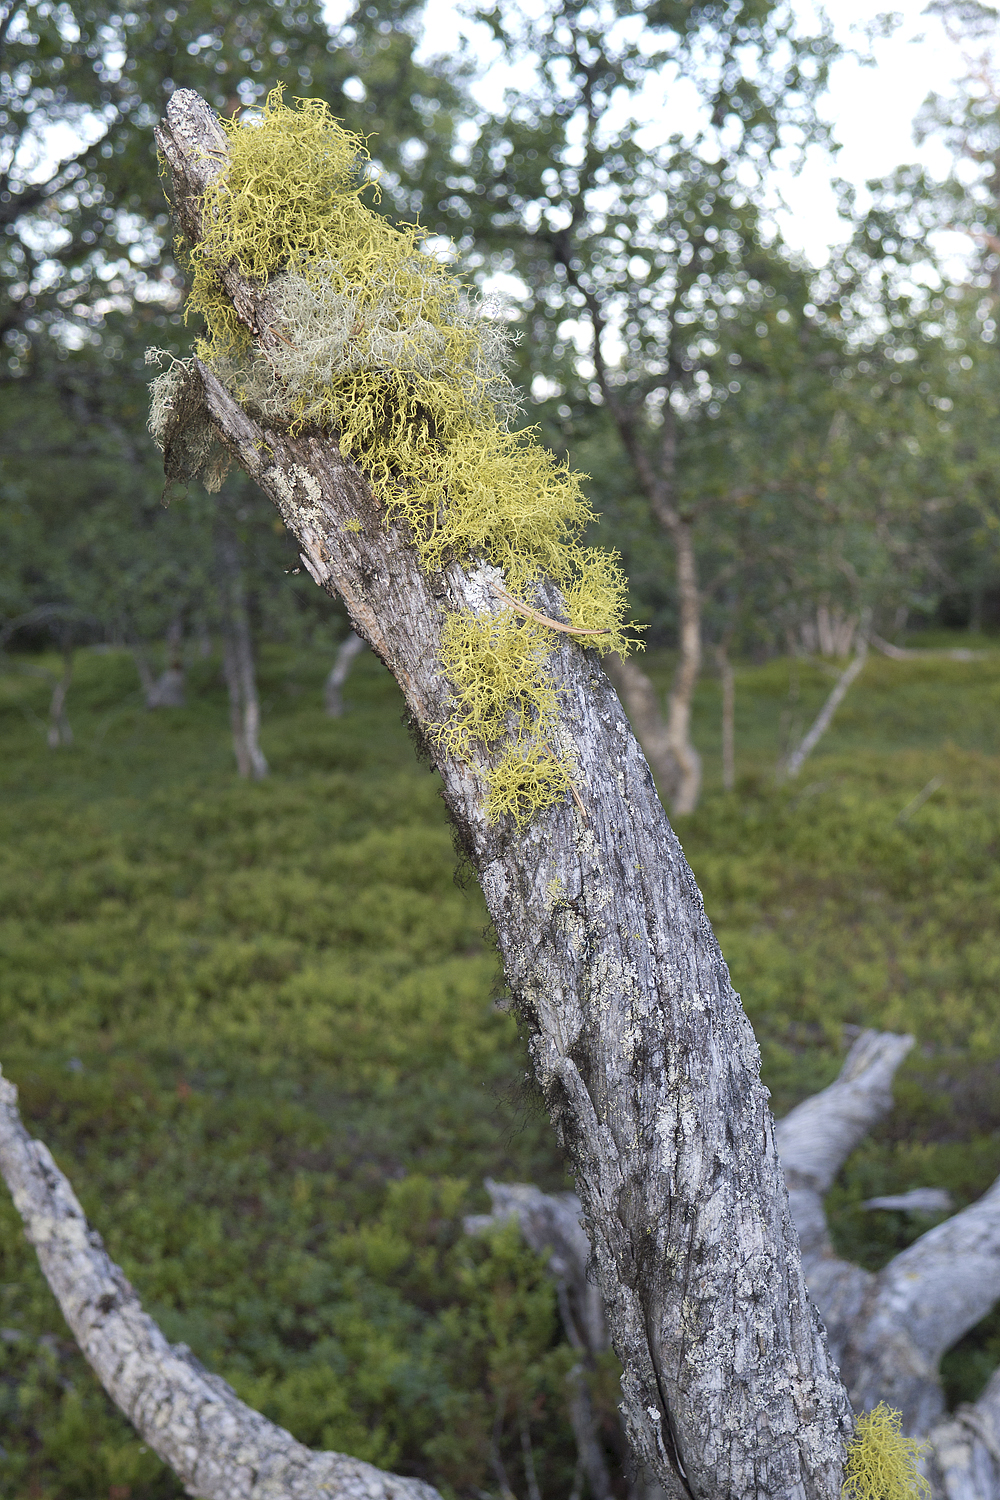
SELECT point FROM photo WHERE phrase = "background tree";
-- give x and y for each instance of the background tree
(640, 257)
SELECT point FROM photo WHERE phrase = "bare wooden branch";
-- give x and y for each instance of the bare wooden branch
(921, 1304)
(890, 1329)
(219, 1448)
(900, 653)
(551, 1224)
(793, 765)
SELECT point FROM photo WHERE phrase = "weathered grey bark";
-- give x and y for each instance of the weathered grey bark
(237, 655)
(551, 1225)
(333, 701)
(219, 1448)
(890, 1329)
(639, 697)
(793, 765)
(646, 1059)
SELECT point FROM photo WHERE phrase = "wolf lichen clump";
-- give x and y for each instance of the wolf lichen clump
(881, 1462)
(378, 342)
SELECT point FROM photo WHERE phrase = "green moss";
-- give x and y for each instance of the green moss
(881, 1462)
(380, 343)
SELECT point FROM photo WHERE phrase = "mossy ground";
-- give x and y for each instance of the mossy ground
(256, 1025)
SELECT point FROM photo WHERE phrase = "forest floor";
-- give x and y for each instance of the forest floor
(263, 1031)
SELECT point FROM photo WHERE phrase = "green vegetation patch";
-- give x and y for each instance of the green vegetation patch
(256, 1025)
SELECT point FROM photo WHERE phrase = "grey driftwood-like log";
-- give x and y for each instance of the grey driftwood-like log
(646, 1059)
(219, 1448)
(889, 1329)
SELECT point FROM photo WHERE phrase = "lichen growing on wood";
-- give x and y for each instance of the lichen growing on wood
(881, 1462)
(378, 342)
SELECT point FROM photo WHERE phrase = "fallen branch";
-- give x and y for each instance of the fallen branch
(900, 653)
(219, 1448)
(889, 1329)
(793, 764)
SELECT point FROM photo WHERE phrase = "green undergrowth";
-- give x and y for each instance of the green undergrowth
(257, 1026)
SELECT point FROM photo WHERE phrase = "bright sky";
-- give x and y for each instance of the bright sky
(871, 108)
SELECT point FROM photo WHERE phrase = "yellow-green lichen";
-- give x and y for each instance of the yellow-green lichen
(882, 1464)
(380, 343)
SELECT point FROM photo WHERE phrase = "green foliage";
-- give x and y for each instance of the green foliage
(881, 1462)
(254, 1023)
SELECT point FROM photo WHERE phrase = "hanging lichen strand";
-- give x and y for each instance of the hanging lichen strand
(383, 346)
(882, 1464)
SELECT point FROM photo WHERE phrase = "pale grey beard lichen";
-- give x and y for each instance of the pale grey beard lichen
(323, 335)
(180, 425)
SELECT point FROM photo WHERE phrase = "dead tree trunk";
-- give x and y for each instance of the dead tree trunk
(60, 731)
(168, 689)
(646, 1059)
(888, 1330)
(237, 655)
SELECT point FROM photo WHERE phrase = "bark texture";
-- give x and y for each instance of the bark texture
(646, 1058)
(889, 1330)
(638, 694)
(219, 1448)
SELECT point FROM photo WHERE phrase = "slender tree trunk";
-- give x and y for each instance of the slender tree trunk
(681, 695)
(647, 1062)
(333, 701)
(147, 681)
(728, 717)
(60, 729)
(168, 689)
(237, 655)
